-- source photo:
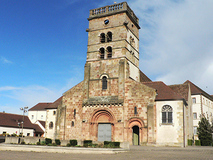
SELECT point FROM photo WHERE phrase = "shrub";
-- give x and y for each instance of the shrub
(109, 144)
(87, 143)
(54, 144)
(48, 141)
(68, 145)
(43, 143)
(38, 143)
(197, 143)
(190, 141)
(73, 142)
(57, 141)
(22, 142)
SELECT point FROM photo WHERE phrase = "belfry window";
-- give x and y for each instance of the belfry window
(109, 36)
(102, 37)
(109, 50)
(167, 114)
(101, 53)
(135, 111)
(104, 82)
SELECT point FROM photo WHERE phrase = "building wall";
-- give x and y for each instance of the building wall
(170, 134)
(51, 117)
(17, 131)
(37, 115)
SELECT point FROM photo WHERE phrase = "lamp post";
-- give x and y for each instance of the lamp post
(24, 111)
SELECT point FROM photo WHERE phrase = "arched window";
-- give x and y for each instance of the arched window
(102, 37)
(109, 50)
(109, 36)
(101, 53)
(104, 82)
(167, 114)
(50, 125)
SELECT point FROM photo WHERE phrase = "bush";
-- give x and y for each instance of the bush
(43, 143)
(109, 144)
(206, 143)
(68, 145)
(38, 143)
(48, 141)
(22, 142)
(190, 142)
(73, 142)
(87, 143)
(54, 144)
(57, 141)
(197, 143)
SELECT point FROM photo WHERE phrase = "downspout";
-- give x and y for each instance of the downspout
(184, 126)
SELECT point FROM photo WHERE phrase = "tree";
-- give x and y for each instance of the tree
(205, 132)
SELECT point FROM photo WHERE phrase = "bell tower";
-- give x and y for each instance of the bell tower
(112, 53)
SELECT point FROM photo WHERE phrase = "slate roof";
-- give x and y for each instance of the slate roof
(163, 91)
(55, 104)
(12, 120)
(144, 78)
(39, 107)
(181, 89)
(195, 90)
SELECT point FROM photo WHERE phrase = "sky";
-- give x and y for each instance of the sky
(43, 45)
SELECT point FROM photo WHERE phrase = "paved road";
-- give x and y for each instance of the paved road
(135, 153)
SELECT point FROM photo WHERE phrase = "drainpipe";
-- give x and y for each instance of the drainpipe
(184, 126)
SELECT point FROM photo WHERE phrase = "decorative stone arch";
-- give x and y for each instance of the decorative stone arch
(132, 124)
(101, 116)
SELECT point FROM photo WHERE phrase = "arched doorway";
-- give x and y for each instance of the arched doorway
(135, 135)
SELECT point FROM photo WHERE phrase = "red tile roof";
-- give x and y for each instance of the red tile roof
(144, 78)
(55, 104)
(163, 91)
(195, 90)
(12, 120)
(181, 89)
(39, 106)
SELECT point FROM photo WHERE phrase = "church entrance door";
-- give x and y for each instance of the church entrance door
(135, 135)
(104, 132)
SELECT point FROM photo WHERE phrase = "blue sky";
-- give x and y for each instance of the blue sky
(43, 45)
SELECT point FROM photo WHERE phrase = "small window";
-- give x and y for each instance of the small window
(195, 130)
(51, 125)
(194, 100)
(195, 115)
(102, 37)
(109, 50)
(41, 116)
(74, 113)
(32, 117)
(109, 36)
(167, 114)
(28, 134)
(104, 82)
(135, 110)
(101, 53)
(72, 124)
(54, 112)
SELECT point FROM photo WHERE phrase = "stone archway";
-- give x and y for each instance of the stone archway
(102, 125)
(135, 131)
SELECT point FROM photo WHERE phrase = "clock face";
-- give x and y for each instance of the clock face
(106, 21)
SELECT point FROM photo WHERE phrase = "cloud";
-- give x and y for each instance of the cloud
(176, 40)
(5, 61)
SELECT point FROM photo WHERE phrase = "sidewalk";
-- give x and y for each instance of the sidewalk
(57, 149)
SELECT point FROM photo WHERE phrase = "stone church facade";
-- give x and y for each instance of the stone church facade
(116, 101)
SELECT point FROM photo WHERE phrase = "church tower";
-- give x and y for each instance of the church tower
(112, 52)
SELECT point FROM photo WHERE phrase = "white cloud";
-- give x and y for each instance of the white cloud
(5, 61)
(176, 40)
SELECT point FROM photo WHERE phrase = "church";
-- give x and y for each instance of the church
(116, 101)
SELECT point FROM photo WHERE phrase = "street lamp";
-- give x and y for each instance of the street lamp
(24, 111)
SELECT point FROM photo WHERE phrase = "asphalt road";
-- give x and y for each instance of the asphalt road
(135, 153)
